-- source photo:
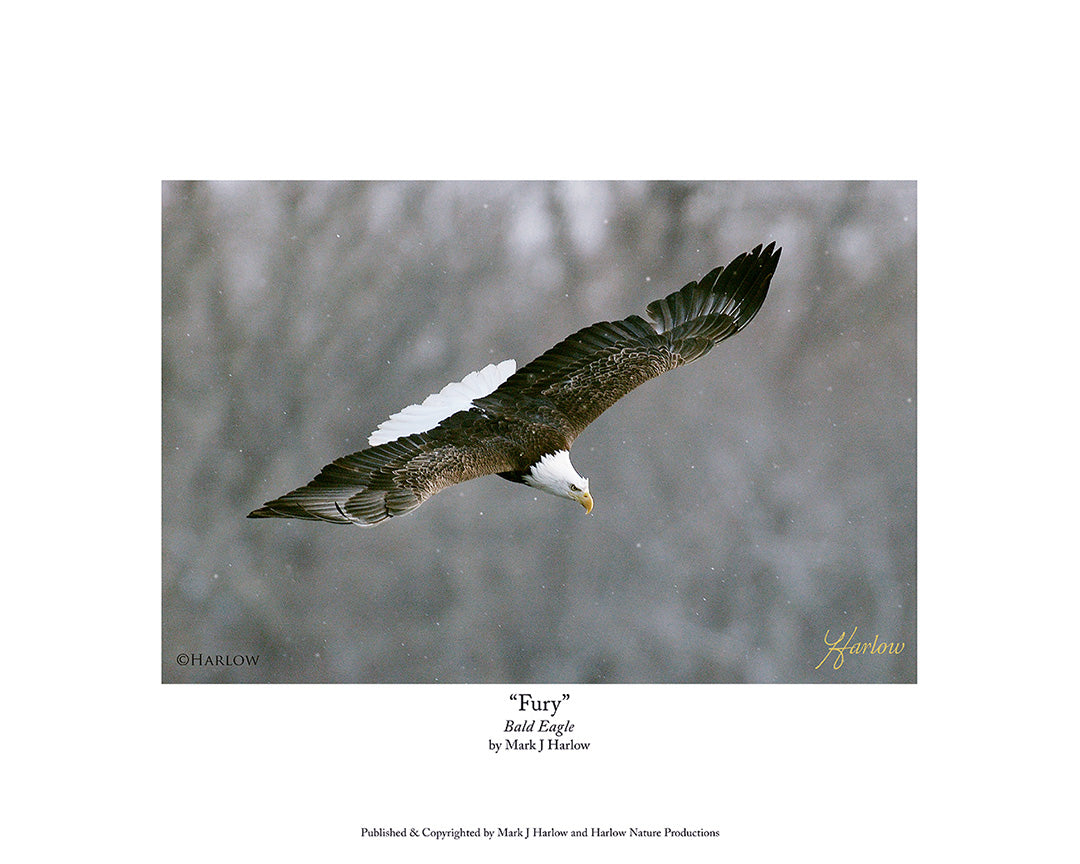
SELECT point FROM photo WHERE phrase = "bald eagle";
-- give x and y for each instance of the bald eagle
(520, 424)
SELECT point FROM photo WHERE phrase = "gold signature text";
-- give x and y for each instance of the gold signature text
(851, 647)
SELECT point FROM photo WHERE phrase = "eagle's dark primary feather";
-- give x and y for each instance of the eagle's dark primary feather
(541, 408)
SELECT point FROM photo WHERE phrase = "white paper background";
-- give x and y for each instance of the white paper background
(107, 100)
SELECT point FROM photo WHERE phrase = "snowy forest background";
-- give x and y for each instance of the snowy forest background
(745, 504)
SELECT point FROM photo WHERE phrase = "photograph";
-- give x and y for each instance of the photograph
(533, 432)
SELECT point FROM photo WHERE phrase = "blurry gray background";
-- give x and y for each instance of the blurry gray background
(745, 504)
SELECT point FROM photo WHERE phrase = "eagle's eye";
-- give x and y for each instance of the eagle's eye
(574, 487)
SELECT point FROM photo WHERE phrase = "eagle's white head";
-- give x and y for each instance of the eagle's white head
(554, 474)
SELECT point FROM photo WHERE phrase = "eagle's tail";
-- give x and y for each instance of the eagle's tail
(720, 305)
(361, 489)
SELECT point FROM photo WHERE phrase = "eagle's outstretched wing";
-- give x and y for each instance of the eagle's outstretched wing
(398, 476)
(591, 370)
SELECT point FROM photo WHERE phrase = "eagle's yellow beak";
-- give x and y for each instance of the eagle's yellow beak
(585, 499)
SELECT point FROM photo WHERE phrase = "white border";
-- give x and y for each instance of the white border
(118, 98)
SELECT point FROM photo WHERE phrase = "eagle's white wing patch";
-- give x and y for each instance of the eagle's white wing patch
(454, 397)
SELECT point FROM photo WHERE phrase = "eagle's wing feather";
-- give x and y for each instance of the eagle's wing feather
(591, 370)
(390, 479)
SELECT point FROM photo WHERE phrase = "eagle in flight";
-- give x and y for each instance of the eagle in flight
(520, 424)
